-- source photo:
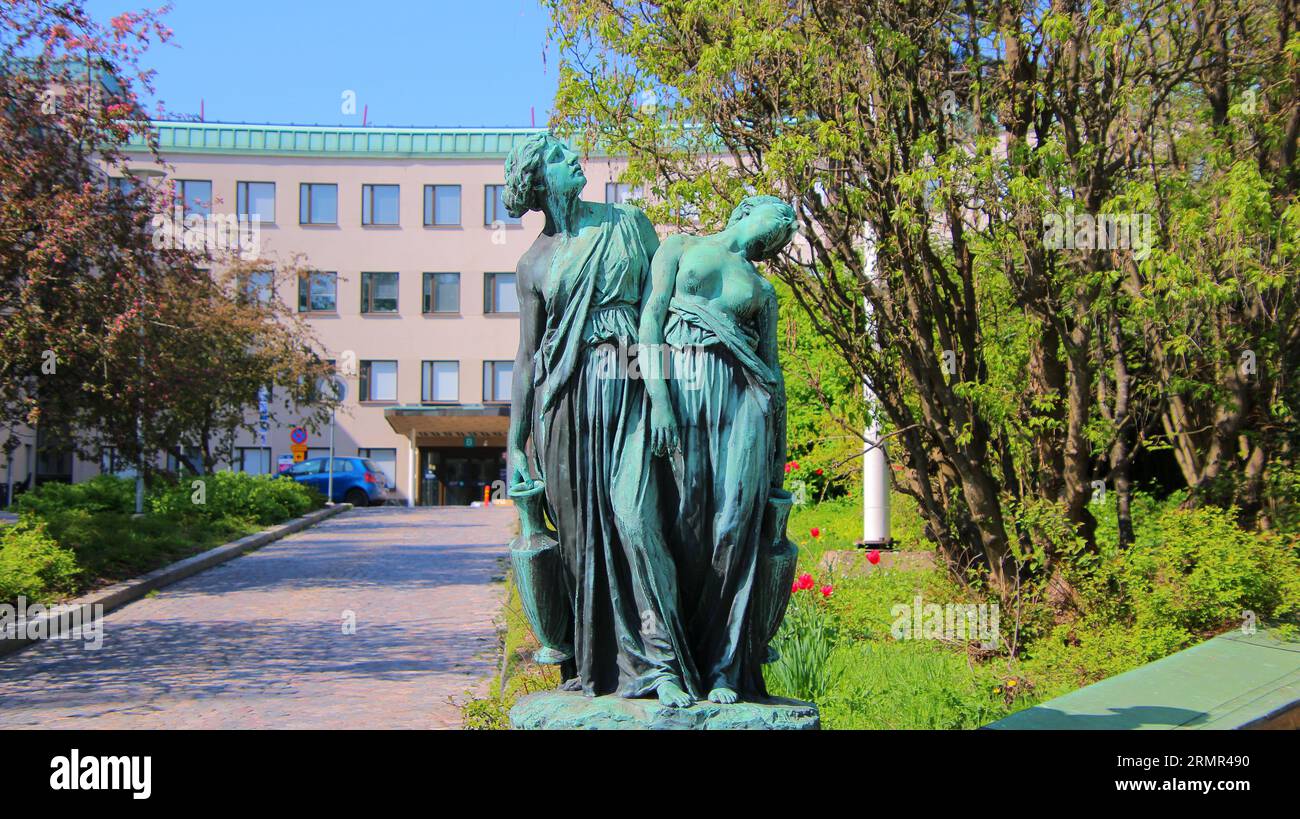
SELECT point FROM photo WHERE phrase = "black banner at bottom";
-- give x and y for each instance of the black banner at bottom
(140, 771)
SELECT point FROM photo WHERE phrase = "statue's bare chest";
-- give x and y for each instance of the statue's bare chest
(711, 272)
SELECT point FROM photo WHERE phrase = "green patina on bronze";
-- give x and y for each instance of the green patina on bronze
(667, 570)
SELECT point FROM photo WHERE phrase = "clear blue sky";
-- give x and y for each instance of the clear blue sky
(413, 62)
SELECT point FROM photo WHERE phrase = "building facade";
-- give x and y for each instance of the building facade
(413, 294)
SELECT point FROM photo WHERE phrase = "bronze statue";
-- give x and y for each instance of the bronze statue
(580, 287)
(668, 570)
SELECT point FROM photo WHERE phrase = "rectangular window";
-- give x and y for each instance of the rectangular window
(499, 295)
(259, 286)
(318, 203)
(440, 381)
(381, 460)
(194, 196)
(194, 460)
(378, 381)
(379, 204)
(441, 293)
(318, 292)
(318, 452)
(253, 460)
(379, 292)
(617, 193)
(52, 461)
(442, 204)
(496, 380)
(494, 209)
(255, 200)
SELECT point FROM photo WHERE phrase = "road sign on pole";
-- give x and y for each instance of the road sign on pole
(263, 414)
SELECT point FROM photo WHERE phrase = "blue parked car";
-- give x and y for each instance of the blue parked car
(358, 481)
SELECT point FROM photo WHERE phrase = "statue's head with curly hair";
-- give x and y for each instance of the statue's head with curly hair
(542, 173)
(764, 225)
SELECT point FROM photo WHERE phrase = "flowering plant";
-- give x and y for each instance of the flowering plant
(806, 642)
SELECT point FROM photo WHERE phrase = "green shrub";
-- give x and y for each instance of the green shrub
(1195, 570)
(33, 565)
(1190, 573)
(114, 545)
(1282, 497)
(260, 498)
(1200, 571)
(102, 493)
(1093, 648)
(71, 537)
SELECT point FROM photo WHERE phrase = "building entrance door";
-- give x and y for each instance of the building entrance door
(457, 476)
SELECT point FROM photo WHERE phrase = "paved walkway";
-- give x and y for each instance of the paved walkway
(259, 642)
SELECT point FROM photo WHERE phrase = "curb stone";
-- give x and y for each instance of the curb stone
(128, 591)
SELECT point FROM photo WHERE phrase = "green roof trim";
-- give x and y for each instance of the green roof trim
(323, 141)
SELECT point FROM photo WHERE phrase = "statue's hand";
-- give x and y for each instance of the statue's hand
(519, 473)
(663, 431)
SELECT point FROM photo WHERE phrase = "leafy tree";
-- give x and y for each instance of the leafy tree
(1026, 333)
(826, 409)
(111, 337)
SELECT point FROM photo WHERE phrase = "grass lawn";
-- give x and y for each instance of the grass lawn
(870, 678)
(1187, 577)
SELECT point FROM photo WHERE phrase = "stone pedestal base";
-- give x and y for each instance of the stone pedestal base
(570, 710)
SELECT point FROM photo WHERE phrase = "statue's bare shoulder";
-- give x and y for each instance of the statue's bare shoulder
(534, 263)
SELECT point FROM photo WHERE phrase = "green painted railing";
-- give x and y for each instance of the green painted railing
(1235, 680)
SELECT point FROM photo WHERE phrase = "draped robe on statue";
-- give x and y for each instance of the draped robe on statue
(722, 394)
(589, 447)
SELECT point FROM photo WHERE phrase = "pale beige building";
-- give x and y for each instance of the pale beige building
(416, 302)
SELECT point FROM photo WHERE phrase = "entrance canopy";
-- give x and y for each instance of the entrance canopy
(452, 424)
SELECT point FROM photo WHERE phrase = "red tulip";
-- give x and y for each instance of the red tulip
(794, 587)
(873, 557)
(815, 532)
(827, 589)
(805, 581)
(794, 464)
(817, 472)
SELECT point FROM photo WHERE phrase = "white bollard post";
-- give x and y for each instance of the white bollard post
(875, 464)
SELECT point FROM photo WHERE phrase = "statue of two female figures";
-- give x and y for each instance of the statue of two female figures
(669, 570)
